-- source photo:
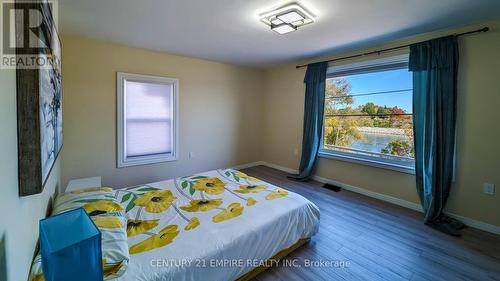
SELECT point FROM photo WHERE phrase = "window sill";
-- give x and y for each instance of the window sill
(367, 162)
(146, 160)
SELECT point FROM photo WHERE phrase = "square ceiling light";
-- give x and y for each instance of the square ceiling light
(283, 28)
(287, 18)
(290, 17)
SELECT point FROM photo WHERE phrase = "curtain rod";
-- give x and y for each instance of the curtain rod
(484, 29)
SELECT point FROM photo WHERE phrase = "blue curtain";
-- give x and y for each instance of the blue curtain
(434, 65)
(314, 107)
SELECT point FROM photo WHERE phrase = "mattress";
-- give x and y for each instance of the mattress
(216, 225)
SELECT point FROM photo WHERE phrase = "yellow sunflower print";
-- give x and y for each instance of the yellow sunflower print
(192, 224)
(245, 176)
(38, 277)
(201, 205)
(211, 186)
(245, 189)
(156, 201)
(109, 269)
(101, 207)
(95, 189)
(161, 239)
(107, 222)
(136, 227)
(251, 201)
(233, 210)
(277, 193)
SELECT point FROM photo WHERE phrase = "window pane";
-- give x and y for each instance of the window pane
(394, 137)
(148, 118)
(397, 98)
(381, 81)
(369, 114)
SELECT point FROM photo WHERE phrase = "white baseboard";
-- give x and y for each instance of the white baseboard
(376, 195)
(281, 168)
(476, 224)
(248, 165)
(397, 201)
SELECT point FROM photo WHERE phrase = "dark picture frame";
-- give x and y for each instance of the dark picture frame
(39, 97)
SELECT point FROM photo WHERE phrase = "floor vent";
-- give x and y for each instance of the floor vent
(332, 187)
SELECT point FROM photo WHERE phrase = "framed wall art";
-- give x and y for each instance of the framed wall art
(39, 94)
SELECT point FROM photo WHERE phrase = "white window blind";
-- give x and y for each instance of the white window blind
(147, 119)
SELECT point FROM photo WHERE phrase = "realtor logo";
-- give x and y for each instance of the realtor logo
(28, 34)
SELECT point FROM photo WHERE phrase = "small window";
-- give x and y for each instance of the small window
(147, 119)
(368, 114)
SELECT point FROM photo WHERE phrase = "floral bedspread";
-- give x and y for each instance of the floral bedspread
(211, 226)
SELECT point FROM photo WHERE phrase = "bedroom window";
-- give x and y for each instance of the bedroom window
(147, 119)
(368, 114)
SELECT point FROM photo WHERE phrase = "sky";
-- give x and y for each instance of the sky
(391, 80)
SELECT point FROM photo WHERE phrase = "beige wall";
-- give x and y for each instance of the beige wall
(478, 129)
(220, 112)
(18, 216)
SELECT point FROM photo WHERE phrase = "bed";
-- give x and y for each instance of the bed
(217, 225)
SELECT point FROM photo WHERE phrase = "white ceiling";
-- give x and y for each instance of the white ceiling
(230, 31)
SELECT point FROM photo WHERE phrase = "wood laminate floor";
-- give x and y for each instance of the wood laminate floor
(381, 241)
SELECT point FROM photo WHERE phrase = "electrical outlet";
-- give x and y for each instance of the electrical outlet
(192, 155)
(296, 152)
(489, 188)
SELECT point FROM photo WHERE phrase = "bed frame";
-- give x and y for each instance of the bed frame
(283, 253)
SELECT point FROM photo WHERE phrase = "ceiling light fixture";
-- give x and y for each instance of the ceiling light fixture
(290, 17)
(283, 28)
(287, 18)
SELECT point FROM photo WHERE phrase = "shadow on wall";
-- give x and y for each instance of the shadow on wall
(3, 259)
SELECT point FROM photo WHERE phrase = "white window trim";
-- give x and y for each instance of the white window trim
(341, 70)
(364, 160)
(122, 160)
(334, 68)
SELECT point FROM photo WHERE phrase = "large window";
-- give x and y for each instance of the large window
(147, 119)
(368, 114)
